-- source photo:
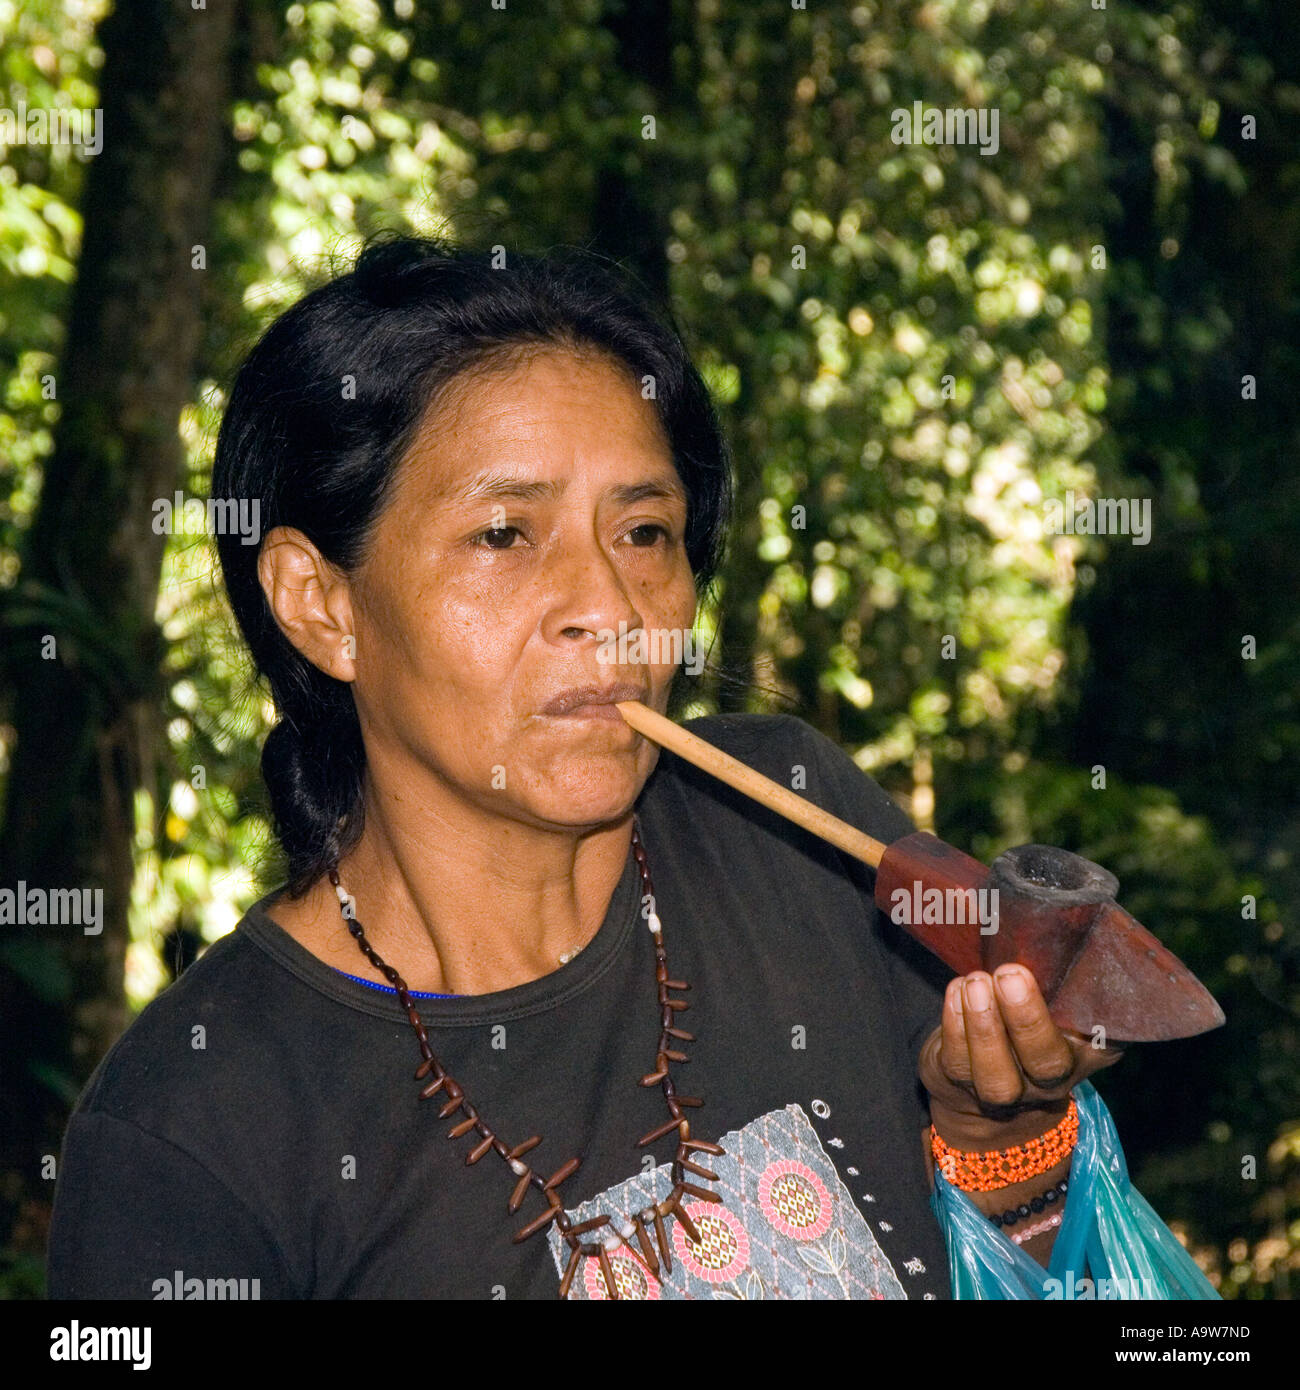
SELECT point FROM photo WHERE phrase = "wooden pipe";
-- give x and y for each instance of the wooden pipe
(1047, 909)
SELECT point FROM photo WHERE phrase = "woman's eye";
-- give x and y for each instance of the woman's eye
(483, 538)
(659, 532)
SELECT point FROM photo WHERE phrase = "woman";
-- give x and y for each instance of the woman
(470, 477)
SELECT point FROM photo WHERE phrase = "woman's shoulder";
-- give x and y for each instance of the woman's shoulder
(767, 737)
(797, 755)
(210, 1003)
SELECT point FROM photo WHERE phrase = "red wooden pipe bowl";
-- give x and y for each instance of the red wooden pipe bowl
(1055, 913)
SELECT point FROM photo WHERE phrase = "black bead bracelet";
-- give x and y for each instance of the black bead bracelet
(1032, 1207)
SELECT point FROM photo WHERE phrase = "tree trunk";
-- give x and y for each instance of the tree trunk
(86, 703)
(628, 219)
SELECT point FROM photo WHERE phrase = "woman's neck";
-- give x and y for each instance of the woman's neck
(462, 903)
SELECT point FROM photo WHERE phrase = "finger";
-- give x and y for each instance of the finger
(954, 1055)
(994, 1070)
(1044, 1053)
(1092, 1054)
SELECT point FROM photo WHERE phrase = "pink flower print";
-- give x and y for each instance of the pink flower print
(794, 1199)
(723, 1250)
(632, 1279)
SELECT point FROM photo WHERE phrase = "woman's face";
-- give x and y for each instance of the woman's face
(538, 511)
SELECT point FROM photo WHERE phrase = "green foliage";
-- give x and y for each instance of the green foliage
(914, 348)
(47, 57)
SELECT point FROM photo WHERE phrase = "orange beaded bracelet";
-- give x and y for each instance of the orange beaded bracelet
(989, 1169)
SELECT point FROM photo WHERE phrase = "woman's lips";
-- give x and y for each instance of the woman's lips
(605, 712)
(593, 701)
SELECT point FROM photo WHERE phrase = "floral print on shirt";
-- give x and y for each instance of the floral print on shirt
(787, 1227)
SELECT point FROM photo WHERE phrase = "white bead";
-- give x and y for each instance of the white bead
(518, 1167)
(624, 1227)
(611, 1241)
(654, 923)
(342, 892)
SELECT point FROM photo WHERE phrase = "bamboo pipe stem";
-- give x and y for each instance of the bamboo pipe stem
(736, 774)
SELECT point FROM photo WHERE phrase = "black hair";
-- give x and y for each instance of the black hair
(328, 402)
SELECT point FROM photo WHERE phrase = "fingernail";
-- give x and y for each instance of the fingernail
(977, 995)
(954, 998)
(1013, 985)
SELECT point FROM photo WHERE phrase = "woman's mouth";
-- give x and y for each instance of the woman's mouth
(594, 701)
(607, 711)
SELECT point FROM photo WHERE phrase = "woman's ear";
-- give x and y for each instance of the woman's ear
(310, 599)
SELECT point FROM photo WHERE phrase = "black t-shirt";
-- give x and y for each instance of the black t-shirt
(261, 1122)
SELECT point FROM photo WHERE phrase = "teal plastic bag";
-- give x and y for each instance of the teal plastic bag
(1110, 1243)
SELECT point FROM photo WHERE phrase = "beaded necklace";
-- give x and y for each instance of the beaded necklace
(621, 1231)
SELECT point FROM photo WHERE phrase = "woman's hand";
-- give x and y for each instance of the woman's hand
(998, 1070)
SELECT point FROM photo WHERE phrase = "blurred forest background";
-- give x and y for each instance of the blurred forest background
(920, 346)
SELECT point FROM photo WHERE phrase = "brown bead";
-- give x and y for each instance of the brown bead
(517, 1196)
(479, 1150)
(676, 984)
(661, 1239)
(424, 1068)
(584, 1226)
(656, 1133)
(434, 1087)
(652, 1077)
(695, 1168)
(530, 1143)
(607, 1270)
(705, 1145)
(534, 1226)
(575, 1259)
(463, 1128)
(676, 1056)
(561, 1173)
(702, 1193)
(680, 1033)
(687, 1224)
(689, 1100)
(452, 1105)
(677, 1005)
(647, 1248)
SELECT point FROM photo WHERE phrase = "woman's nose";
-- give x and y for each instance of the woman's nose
(590, 596)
